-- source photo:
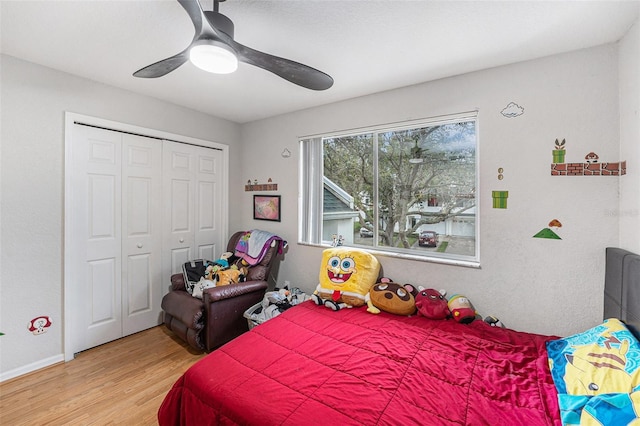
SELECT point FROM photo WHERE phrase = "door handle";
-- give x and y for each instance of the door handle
(139, 245)
(182, 240)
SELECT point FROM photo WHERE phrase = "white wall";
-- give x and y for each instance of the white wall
(629, 72)
(34, 100)
(535, 285)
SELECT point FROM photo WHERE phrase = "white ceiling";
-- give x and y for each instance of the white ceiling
(366, 46)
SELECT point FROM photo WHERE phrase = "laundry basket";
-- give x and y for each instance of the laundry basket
(253, 315)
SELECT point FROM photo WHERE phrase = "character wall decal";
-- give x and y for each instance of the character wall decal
(548, 233)
(40, 325)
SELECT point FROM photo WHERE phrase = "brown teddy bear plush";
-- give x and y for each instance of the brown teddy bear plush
(391, 297)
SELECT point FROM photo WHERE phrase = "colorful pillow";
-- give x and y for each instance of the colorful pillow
(391, 297)
(596, 373)
(346, 275)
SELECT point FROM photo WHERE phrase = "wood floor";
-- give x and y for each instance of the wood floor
(119, 383)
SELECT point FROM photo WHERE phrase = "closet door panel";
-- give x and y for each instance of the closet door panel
(140, 288)
(208, 236)
(192, 178)
(95, 223)
(179, 216)
(206, 220)
(142, 229)
(104, 306)
(181, 210)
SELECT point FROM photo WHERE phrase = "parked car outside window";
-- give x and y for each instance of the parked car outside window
(365, 233)
(427, 239)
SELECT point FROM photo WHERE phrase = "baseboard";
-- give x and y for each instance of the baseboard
(29, 368)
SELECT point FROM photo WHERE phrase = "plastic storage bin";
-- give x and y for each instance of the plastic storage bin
(252, 315)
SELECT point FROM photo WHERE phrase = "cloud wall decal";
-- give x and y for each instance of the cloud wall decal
(512, 110)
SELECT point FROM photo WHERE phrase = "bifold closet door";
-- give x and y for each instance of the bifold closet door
(192, 187)
(115, 216)
(141, 233)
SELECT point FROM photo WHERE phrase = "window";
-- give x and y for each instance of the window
(381, 188)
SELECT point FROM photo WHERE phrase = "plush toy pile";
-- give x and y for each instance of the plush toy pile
(229, 269)
(349, 278)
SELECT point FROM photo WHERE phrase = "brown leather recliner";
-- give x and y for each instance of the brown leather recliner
(218, 317)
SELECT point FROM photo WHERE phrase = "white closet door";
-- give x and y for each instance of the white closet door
(142, 233)
(192, 185)
(136, 209)
(208, 237)
(178, 214)
(95, 219)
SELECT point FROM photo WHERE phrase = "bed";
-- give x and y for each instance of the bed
(311, 365)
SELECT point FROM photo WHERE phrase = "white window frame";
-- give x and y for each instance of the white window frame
(310, 172)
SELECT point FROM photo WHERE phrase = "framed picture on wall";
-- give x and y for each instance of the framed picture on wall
(266, 207)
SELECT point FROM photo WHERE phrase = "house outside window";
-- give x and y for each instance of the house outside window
(400, 181)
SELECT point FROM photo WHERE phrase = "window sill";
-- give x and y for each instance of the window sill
(475, 264)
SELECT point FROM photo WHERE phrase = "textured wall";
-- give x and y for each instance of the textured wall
(532, 284)
(629, 72)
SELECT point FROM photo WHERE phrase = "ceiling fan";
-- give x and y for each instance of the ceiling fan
(214, 49)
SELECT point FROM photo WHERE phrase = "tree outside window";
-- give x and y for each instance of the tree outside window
(407, 180)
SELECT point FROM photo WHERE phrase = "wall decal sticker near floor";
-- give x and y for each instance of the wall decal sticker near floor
(548, 233)
(40, 325)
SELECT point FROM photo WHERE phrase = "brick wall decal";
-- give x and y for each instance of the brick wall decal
(590, 167)
(262, 187)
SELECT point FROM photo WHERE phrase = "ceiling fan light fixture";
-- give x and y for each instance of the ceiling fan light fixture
(215, 58)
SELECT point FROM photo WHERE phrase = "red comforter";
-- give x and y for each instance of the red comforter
(311, 365)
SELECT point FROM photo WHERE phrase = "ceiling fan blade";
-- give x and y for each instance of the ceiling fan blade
(203, 30)
(295, 72)
(164, 66)
(194, 11)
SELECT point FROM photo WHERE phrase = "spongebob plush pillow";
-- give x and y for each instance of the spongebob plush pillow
(346, 275)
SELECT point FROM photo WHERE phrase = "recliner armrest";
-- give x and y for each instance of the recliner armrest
(233, 290)
(177, 282)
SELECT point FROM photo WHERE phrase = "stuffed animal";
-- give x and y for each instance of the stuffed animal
(201, 286)
(391, 297)
(210, 272)
(432, 304)
(461, 309)
(224, 259)
(218, 265)
(231, 276)
(346, 275)
(493, 321)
